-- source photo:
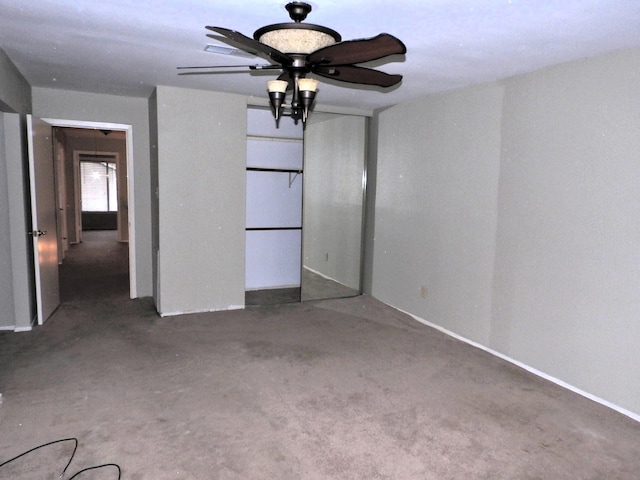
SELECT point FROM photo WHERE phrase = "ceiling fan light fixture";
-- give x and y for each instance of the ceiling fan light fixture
(307, 84)
(277, 91)
(307, 88)
(277, 86)
(294, 39)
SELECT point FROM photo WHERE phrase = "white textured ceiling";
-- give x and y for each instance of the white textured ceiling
(126, 47)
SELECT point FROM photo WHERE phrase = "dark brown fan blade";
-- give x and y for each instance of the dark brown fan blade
(353, 74)
(250, 67)
(251, 45)
(358, 51)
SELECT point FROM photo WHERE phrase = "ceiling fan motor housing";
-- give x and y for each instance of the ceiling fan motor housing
(298, 11)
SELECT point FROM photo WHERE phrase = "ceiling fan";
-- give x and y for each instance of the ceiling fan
(299, 49)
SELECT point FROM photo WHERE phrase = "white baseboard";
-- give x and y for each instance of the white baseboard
(15, 329)
(557, 381)
(277, 287)
(326, 277)
(222, 309)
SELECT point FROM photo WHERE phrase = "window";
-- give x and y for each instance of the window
(98, 185)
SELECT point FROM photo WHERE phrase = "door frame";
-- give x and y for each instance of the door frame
(57, 122)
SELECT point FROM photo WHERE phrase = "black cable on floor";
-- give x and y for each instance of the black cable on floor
(96, 467)
(75, 440)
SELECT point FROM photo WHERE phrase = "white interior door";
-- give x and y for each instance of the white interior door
(43, 216)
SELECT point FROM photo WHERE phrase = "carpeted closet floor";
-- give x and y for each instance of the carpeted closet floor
(332, 389)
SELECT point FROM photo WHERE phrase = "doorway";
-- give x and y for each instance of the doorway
(273, 209)
(103, 235)
(93, 213)
(305, 207)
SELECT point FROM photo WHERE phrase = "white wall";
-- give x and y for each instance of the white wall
(15, 91)
(567, 276)
(201, 154)
(7, 312)
(436, 208)
(15, 259)
(91, 107)
(16, 255)
(515, 206)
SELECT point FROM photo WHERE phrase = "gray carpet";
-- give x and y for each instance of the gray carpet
(314, 287)
(334, 389)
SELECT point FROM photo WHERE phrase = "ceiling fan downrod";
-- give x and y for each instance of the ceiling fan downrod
(298, 11)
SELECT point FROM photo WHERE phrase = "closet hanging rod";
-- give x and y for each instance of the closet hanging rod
(282, 170)
(259, 229)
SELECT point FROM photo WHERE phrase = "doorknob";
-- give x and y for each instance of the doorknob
(38, 233)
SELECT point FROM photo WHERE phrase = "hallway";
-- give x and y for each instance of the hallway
(96, 269)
